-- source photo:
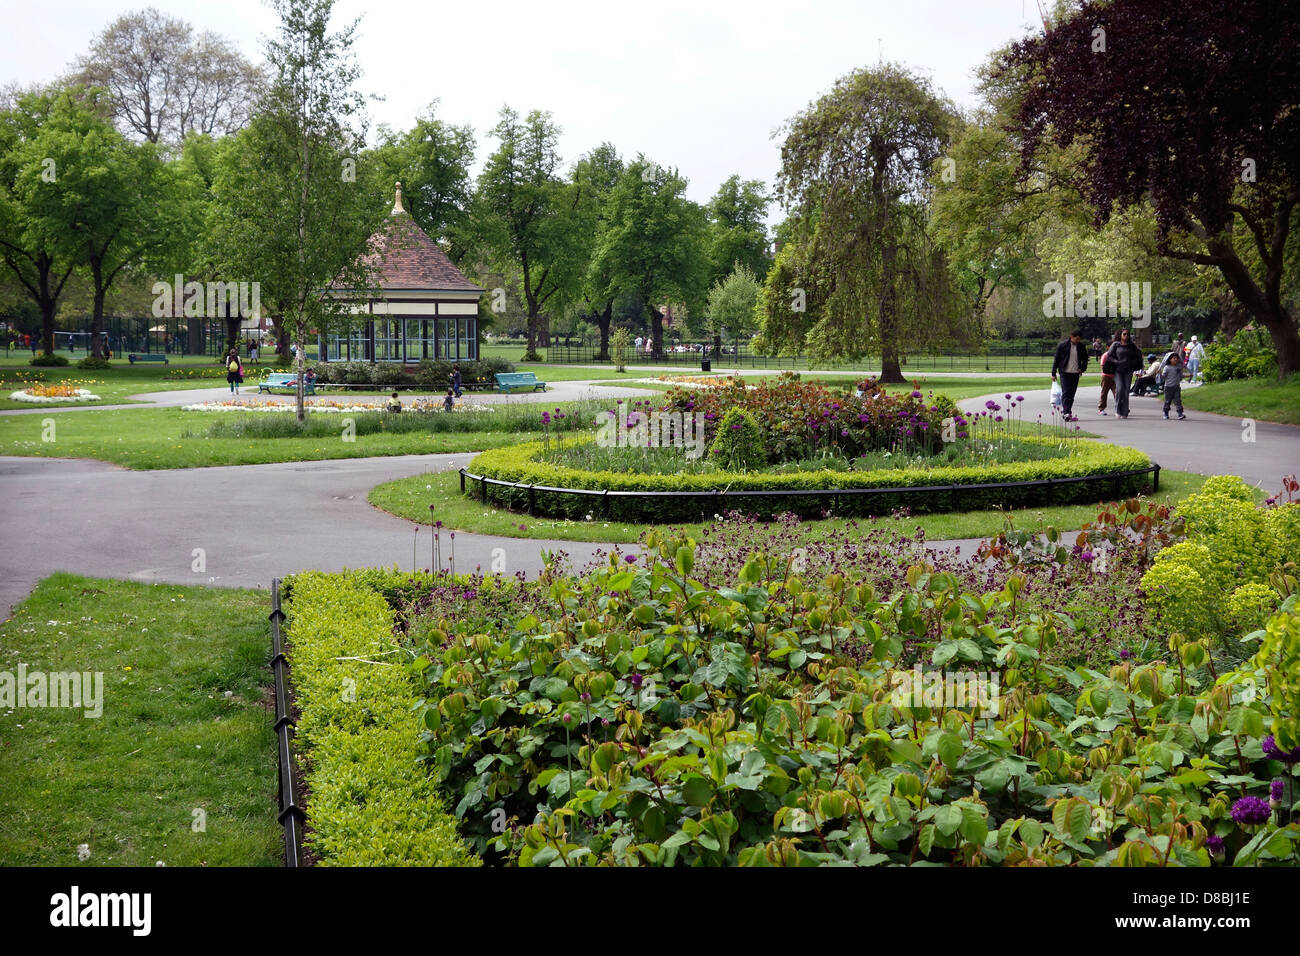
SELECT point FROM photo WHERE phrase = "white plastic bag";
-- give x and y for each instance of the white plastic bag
(1057, 394)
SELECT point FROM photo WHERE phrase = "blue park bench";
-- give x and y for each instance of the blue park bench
(282, 380)
(148, 357)
(508, 380)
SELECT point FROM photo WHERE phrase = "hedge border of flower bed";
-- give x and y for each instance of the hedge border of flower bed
(1102, 466)
(369, 803)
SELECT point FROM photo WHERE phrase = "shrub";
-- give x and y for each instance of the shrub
(517, 464)
(90, 362)
(641, 717)
(1249, 354)
(738, 445)
(366, 805)
(619, 343)
(50, 360)
(1251, 605)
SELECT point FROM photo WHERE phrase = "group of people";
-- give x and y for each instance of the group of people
(1120, 362)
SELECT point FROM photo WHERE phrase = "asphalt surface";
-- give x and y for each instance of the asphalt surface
(241, 526)
(1204, 443)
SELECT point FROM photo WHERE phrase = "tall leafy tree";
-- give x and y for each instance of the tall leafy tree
(287, 214)
(597, 174)
(738, 228)
(731, 305)
(655, 244)
(1190, 104)
(527, 214)
(43, 185)
(857, 163)
(432, 161)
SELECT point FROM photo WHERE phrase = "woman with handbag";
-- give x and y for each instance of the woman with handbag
(234, 370)
(1125, 359)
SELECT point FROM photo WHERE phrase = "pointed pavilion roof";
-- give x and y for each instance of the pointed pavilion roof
(405, 258)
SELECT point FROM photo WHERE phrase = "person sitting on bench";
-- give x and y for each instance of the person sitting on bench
(1147, 380)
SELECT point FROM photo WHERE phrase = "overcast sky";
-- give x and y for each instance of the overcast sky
(696, 84)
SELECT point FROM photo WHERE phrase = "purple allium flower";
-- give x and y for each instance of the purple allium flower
(635, 680)
(604, 721)
(630, 558)
(1249, 811)
(567, 718)
(1272, 750)
(1087, 557)
(916, 394)
(1125, 653)
(1008, 396)
(1276, 789)
(546, 418)
(1020, 398)
(586, 697)
(1214, 844)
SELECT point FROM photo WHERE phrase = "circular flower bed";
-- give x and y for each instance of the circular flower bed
(52, 394)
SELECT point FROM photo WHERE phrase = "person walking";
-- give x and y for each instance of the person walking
(1125, 359)
(456, 379)
(234, 370)
(1070, 363)
(1171, 377)
(1107, 376)
(1195, 355)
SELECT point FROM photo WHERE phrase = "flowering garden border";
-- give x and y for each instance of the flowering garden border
(510, 478)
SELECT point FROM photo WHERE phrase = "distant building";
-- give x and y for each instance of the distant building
(425, 307)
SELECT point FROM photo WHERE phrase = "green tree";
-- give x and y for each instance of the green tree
(857, 162)
(287, 213)
(528, 215)
(431, 161)
(654, 245)
(731, 305)
(43, 183)
(597, 174)
(738, 228)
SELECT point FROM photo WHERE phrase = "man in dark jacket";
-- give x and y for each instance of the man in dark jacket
(1125, 358)
(1071, 362)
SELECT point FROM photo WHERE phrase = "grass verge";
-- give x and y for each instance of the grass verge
(410, 498)
(185, 735)
(1263, 399)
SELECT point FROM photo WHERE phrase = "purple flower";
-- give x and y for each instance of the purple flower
(630, 558)
(604, 721)
(1275, 791)
(1086, 557)
(546, 418)
(1020, 398)
(1214, 844)
(635, 680)
(916, 394)
(1271, 749)
(567, 718)
(1249, 811)
(586, 697)
(1008, 396)
(1125, 653)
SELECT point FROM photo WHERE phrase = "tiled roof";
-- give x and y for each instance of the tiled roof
(408, 259)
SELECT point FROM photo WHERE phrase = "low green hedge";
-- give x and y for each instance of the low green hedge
(1087, 457)
(369, 803)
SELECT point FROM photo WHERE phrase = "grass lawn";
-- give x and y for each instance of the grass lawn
(410, 498)
(1263, 399)
(147, 438)
(186, 725)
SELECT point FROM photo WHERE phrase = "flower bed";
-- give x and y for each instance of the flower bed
(419, 405)
(1085, 459)
(51, 394)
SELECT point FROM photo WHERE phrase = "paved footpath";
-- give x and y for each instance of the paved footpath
(257, 522)
(1204, 443)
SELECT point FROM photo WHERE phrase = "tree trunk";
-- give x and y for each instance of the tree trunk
(302, 402)
(97, 324)
(656, 331)
(282, 341)
(602, 322)
(232, 330)
(48, 308)
(1286, 340)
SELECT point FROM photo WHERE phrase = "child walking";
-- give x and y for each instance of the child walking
(1171, 377)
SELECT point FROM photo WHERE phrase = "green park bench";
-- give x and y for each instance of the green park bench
(508, 380)
(148, 357)
(281, 380)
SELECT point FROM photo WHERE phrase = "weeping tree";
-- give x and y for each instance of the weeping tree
(855, 167)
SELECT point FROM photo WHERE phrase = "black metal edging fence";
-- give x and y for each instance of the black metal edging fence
(605, 494)
(291, 814)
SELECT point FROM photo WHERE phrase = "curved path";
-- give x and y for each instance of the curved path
(1204, 443)
(256, 522)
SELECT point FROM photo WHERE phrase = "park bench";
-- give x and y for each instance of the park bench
(148, 357)
(281, 380)
(508, 380)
